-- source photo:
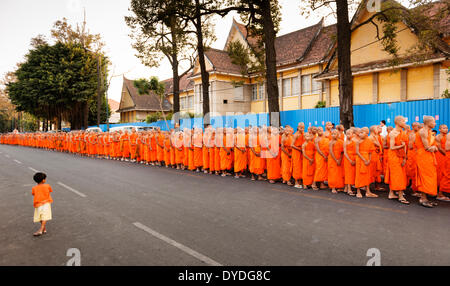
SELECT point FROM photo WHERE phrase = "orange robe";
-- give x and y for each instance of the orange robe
(297, 158)
(444, 184)
(411, 163)
(440, 159)
(376, 166)
(426, 173)
(240, 156)
(160, 147)
(308, 169)
(335, 172)
(133, 145)
(125, 148)
(226, 160)
(198, 150)
(256, 162)
(395, 173)
(274, 162)
(363, 173)
(321, 172)
(286, 162)
(349, 170)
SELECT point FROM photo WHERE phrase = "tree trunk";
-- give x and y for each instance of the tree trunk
(99, 89)
(85, 110)
(176, 88)
(344, 64)
(201, 59)
(271, 60)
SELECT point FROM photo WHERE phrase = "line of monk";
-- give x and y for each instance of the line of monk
(352, 161)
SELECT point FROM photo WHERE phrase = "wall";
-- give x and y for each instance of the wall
(365, 115)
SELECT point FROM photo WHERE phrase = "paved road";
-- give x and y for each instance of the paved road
(119, 213)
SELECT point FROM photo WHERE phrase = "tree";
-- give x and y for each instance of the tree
(157, 87)
(158, 32)
(423, 17)
(54, 82)
(196, 13)
(79, 35)
(262, 19)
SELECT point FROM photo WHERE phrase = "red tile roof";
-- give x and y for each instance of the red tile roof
(146, 102)
(293, 46)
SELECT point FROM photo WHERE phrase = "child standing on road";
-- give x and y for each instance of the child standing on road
(42, 201)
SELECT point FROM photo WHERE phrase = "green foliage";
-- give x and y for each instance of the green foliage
(153, 117)
(239, 56)
(5, 123)
(92, 118)
(321, 104)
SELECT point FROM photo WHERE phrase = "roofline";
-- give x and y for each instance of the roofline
(387, 68)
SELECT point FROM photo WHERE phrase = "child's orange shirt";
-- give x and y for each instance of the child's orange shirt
(41, 195)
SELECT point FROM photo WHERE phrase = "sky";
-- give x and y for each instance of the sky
(21, 20)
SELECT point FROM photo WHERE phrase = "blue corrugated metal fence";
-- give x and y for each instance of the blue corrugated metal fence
(364, 115)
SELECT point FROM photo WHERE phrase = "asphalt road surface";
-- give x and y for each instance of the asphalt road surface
(120, 213)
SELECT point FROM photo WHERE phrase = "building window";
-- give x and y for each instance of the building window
(306, 84)
(295, 86)
(286, 87)
(254, 92)
(238, 93)
(190, 101)
(183, 102)
(261, 94)
(316, 85)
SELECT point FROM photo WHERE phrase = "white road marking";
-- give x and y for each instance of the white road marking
(32, 169)
(180, 246)
(17, 161)
(72, 190)
(28, 185)
(7, 156)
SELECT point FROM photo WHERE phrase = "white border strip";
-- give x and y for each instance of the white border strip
(180, 246)
(72, 190)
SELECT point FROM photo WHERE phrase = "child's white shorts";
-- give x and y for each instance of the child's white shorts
(43, 212)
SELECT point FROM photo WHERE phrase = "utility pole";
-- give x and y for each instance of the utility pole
(99, 88)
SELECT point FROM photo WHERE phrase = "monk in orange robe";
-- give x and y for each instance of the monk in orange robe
(133, 145)
(444, 184)
(198, 149)
(426, 163)
(321, 158)
(166, 145)
(309, 165)
(440, 159)
(186, 145)
(411, 160)
(205, 151)
(376, 165)
(218, 142)
(273, 155)
(335, 164)
(240, 153)
(125, 149)
(179, 151)
(297, 157)
(286, 155)
(350, 160)
(211, 148)
(159, 147)
(396, 168)
(364, 150)
(226, 156)
(153, 148)
(256, 162)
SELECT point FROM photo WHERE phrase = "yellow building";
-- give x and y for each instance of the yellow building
(135, 107)
(375, 79)
(307, 71)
